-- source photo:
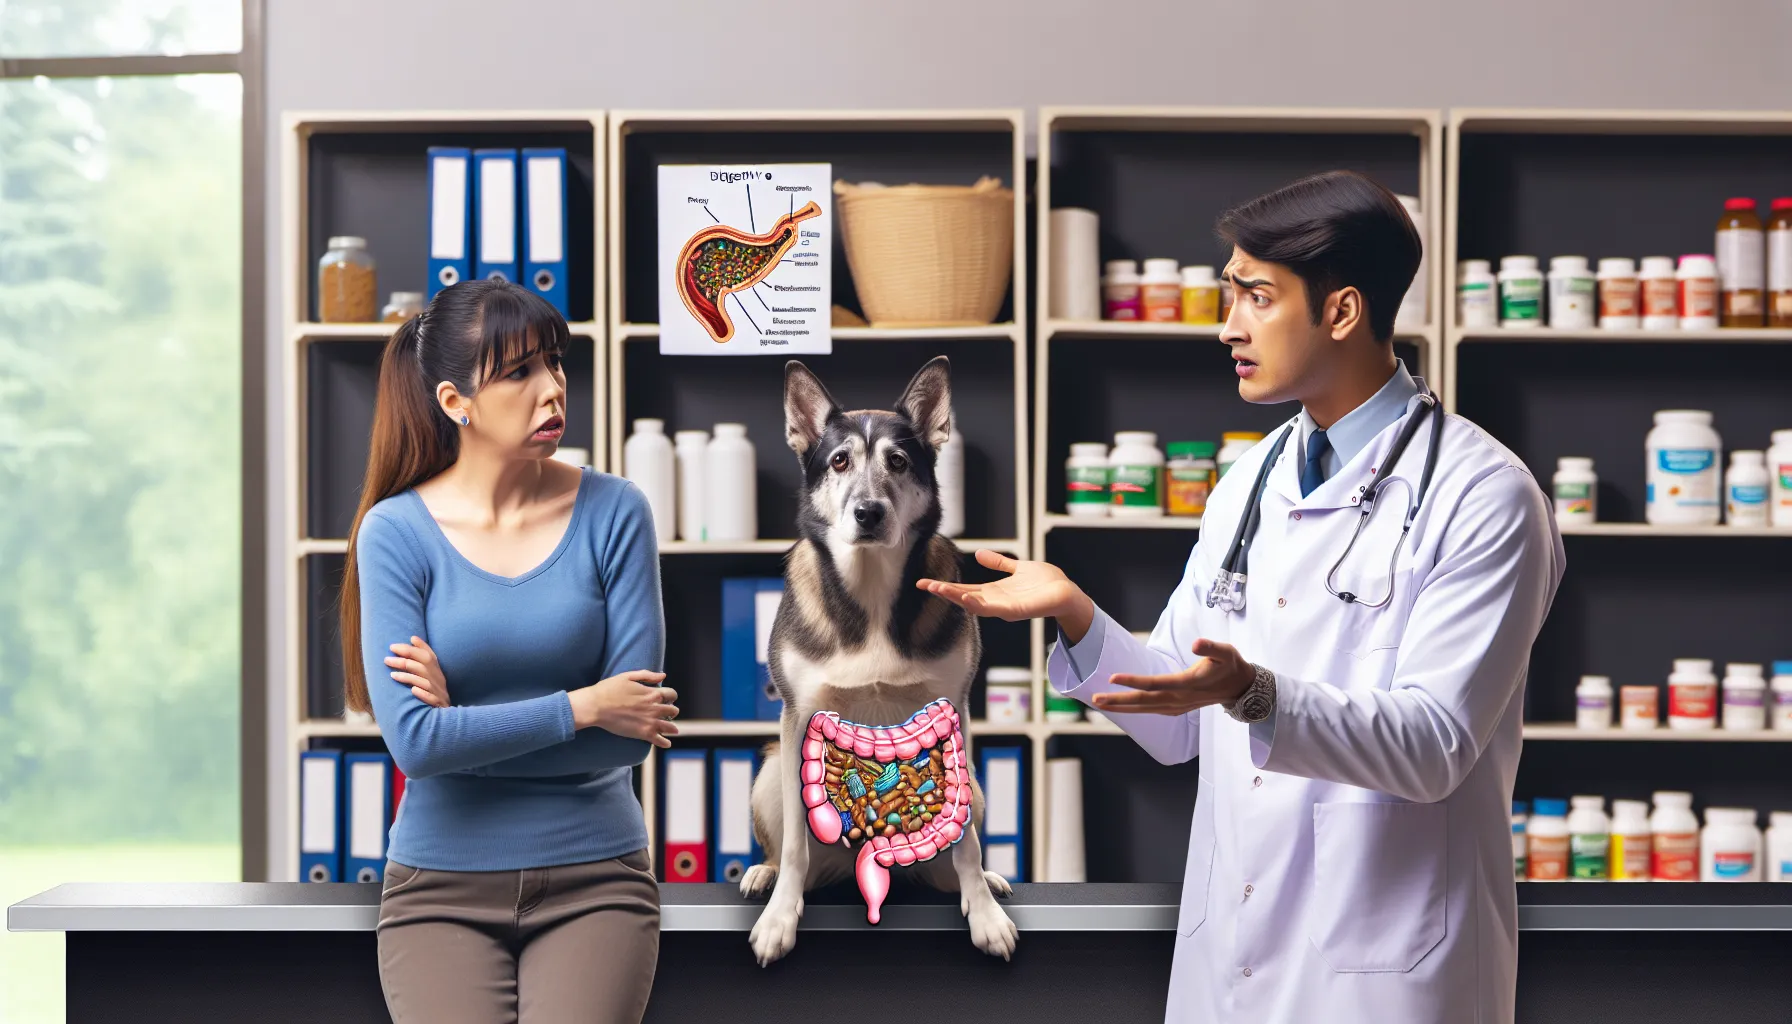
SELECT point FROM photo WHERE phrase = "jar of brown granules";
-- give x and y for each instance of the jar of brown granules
(347, 286)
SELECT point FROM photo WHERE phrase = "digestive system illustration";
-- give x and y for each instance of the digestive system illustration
(720, 260)
(903, 791)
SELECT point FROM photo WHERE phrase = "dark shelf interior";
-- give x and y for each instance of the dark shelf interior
(342, 380)
(890, 157)
(376, 185)
(1136, 812)
(323, 636)
(1717, 774)
(1129, 573)
(697, 392)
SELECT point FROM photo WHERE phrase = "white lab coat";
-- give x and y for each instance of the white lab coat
(1351, 859)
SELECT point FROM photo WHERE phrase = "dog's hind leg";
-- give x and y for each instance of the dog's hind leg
(768, 824)
(992, 931)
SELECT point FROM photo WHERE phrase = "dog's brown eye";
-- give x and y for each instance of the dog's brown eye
(898, 462)
(840, 461)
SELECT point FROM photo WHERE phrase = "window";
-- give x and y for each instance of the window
(121, 341)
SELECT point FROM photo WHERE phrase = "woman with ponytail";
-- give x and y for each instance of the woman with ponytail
(501, 619)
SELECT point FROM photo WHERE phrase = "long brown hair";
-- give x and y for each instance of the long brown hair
(468, 332)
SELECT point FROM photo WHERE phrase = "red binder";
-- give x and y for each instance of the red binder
(686, 856)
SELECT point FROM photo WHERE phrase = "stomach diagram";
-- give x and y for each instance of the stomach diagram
(721, 260)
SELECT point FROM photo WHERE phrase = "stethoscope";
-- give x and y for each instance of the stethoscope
(1228, 587)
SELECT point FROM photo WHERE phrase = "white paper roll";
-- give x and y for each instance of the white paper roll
(1064, 812)
(1075, 265)
(1412, 313)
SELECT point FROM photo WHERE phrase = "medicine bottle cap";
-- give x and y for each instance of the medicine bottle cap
(347, 242)
(1617, 266)
(1780, 819)
(1567, 264)
(1698, 265)
(1739, 203)
(1730, 816)
(1630, 808)
(650, 426)
(1782, 437)
(1748, 457)
(1251, 435)
(1520, 807)
(1008, 675)
(1782, 203)
(1199, 277)
(1658, 266)
(730, 430)
(1782, 668)
(1144, 437)
(1596, 684)
(1161, 268)
(1122, 268)
(1517, 263)
(1588, 802)
(402, 298)
(1193, 449)
(1745, 668)
(1673, 798)
(1475, 268)
(1692, 666)
(1698, 417)
(1549, 807)
(1574, 463)
(1087, 449)
(690, 437)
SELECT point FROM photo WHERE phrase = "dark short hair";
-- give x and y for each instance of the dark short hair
(1333, 230)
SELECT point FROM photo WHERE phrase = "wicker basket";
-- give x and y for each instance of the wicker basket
(928, 255)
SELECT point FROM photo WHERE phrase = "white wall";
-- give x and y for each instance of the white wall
(536, 54)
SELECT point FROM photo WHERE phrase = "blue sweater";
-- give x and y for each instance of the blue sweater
(499, 780)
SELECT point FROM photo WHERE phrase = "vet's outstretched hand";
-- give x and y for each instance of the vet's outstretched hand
(1220, 676)
(1032, 590)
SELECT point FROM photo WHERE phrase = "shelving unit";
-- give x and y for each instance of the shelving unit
(1626, 183)
(868, 367)
(366, 173)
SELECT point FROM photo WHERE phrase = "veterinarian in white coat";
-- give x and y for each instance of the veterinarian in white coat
(1350, 858)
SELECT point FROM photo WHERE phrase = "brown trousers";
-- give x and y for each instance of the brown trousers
(559, 945)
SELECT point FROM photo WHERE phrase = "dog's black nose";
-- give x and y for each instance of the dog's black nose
(869, 514)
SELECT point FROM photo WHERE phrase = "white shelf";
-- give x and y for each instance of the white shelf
(312, 546)
(778, 547)
(706, 727)
(1766, 335)
(1089, 727)
(1168, 330)
(315, 728)
(1646, 530)
(1002, 332)
(1057, 521)
(1570, 731)
(306, 332)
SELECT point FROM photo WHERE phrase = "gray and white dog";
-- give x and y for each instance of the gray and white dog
(854, 635)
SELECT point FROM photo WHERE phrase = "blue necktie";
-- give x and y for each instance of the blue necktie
(1313, 474)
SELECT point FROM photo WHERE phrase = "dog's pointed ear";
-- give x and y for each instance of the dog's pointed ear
(807, 408)
(927, 402)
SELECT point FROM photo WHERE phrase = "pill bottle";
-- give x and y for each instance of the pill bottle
(1521, 292)
(1086, 480)
(1520, 812)
(1135, 483)
(1571, 299)
(1576, 488)
(1730, 846)
(1692, 695)
(1660, 293)
(1192, 472)
(1674, 846)
(347, 288)
(1779, 263)
(1414, 312)
(1225, 300)
(1639, 707)
(1007, 694)
(1779, 846)
(1620, 294)
(1120, 291)
(1682, 473)
(1593, 702)
(1741, 270)
(1630, 841)
(1234, 443)
(1745, 697)
(1782, 695)
(1779, 480)
(1746, 488)
(730, 485)
(948, 476)
(689, 446)
(1477, 294)
(1698, 292)
(1589, 839)
(1059, 708)
(1200, 296)
(1160, 292)
(1546, 840)
(648, 463)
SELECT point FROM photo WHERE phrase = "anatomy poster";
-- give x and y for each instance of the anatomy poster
(744, 259)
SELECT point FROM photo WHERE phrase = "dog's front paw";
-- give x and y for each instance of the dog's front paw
(774, 934)
(991, 930)
(998, 885)
(758, 880)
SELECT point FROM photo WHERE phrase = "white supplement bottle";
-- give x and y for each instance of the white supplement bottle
(1477, 294)
(948, 472)
(1520, 812)
(1521, 292)
(647, 463)
(1745, 489)
(1086, 481)
(1571, 298)
(1782, 695)
(1779, 479)
(689, 447)
(1160, 291)
(1414, 313)
(1589, 839)
(1692, 695)
(1674, 849)
(1233, 445)
(1779, 846)
(1684, 455)
(1630, 841)
(730, 486)
(1576, 489)
(1730, 848)
(1698, 292)
(1136, 483)
(1745, 697)
(1620, 296)
(1660, 294)
(1593, 702)
(1120, 291)
(1546, 835)
(1007, 694)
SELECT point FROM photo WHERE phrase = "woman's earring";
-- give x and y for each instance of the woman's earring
(463, 421)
